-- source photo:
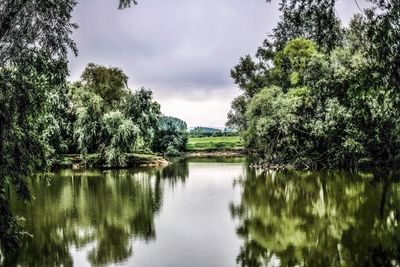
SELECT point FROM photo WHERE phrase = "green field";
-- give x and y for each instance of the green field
(214, 143)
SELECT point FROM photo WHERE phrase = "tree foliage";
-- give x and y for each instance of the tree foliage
(111, 119)
(312, 19)
(171, 136)
(145, 112)
(108, 83)
(328, 95)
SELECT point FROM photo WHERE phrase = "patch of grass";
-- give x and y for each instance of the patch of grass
(214, 143)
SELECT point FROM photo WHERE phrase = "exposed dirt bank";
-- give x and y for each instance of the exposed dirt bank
(76, 161)
(211, 154)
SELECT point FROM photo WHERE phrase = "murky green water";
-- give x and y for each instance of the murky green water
(211, 213)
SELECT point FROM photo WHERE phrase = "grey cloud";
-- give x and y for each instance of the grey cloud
(182, 49)
(163, 41)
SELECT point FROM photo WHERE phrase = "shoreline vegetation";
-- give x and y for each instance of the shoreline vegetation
(214, 146)
(76, 161)
(198, 147)
(215, 153)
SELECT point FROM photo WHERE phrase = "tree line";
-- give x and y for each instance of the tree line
(211, 132)
(318, 94)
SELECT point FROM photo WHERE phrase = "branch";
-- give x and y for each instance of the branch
(8, 19)
(126, 3)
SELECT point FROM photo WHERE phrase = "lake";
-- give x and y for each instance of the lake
(210, 212)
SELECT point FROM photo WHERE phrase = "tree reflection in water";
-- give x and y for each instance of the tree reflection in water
(319, 219)
(100, 211)
(285, 219)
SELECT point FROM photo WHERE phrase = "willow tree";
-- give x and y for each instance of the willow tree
(111, 119)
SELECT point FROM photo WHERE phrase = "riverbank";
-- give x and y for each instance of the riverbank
(77, 161)
(212, 147)
(202, 147)
(214, 153)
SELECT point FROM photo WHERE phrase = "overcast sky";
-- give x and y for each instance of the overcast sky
(182, 50)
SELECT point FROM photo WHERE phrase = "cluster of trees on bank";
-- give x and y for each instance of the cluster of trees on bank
(100, 114)
(318, 94)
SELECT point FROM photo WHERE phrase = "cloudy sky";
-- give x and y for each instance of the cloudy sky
(182, 50)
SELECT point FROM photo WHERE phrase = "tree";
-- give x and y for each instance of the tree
(121, 137)
(88, 127)
(290, 63)
(314, 19)
(111, 120)
(23, 92)
(276, 131)
(171, 136)
(144, 112)
(109, 83)
(322, 118)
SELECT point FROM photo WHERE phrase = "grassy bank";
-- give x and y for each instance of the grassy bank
(214, 143)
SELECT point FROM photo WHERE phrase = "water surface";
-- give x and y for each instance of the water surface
(210, 213)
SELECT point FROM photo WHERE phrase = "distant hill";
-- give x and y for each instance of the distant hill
(201, 131)
(205, 130)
